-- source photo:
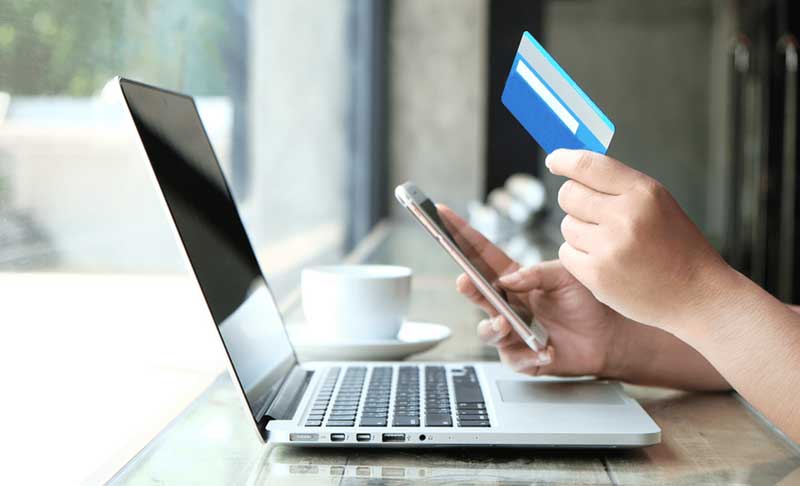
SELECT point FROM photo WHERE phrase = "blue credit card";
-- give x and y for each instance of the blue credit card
(551, 107)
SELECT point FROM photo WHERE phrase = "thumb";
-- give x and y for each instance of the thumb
(544, 276)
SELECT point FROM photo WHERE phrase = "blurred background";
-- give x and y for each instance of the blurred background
(316, 111)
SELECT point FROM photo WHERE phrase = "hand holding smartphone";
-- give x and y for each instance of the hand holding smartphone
(459, 248)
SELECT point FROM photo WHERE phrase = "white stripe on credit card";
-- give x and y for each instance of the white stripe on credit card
(547, 96)
(565, 91)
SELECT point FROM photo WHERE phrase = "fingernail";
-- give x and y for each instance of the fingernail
(543, 357)
(510, 278)
(496, 324)
(548, 158)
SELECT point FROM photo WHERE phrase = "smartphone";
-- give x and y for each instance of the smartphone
(424, 210)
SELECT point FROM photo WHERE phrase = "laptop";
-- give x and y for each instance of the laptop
(363, 404)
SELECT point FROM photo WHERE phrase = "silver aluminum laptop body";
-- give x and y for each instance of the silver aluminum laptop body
(364, 404)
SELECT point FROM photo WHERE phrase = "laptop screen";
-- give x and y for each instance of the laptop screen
(214, 238)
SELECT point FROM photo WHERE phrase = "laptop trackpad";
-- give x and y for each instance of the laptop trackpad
(577, 393)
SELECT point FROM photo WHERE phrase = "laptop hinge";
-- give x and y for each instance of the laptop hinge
(285, 403)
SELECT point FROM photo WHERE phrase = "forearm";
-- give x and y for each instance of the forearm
(754, 341)
(646, 355)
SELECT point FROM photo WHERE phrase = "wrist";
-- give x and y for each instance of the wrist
(620, 352)
(705, 293)
(716, 293)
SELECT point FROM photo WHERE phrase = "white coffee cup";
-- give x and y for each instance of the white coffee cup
(356, 302)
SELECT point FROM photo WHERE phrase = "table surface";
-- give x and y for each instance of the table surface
(708, 438)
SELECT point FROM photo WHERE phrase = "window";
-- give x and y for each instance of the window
(109, 337)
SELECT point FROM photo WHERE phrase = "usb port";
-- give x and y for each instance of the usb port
(394, 437)
(337, 437)
(363, 437)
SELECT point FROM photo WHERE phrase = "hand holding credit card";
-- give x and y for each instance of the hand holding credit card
(550, 105)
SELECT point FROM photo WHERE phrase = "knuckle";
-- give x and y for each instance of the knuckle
(565, 191)
(584, 161)
(562, 252)
(565, 225)
(651, 189)
(532, 273)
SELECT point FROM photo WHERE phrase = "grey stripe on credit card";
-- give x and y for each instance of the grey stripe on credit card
(565, 91)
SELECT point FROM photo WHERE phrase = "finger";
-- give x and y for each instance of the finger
(578, 234)
(584, 203)
(524, 360)
(467, 288)
(543, 276)
(593, 170)
(485, 255)
(497, 332)
(547, 362)
(575, 261)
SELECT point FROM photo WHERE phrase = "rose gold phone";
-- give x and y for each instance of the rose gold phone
(424, 210)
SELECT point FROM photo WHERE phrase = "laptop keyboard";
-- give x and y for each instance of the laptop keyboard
(437, 398)
(399, 399)
(345, 408)
(406, 398)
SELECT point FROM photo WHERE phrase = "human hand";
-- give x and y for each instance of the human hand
(629, 242)
(585, 335)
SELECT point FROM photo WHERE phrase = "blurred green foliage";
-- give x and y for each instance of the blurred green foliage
(73, 47)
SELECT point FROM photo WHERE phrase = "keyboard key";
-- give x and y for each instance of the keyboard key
(374, 415)
(345, 405)
(373, 422)
(438, 421)
(340, 423)
(406, 422)
(470, 411)
(472, 417)
(470, 406)
(437, 411)
(474, 423)
(467, 392)
(314, 423)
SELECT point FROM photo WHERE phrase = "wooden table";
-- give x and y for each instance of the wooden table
(707, 438)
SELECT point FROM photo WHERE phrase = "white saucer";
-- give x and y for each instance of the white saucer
(413, 338)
